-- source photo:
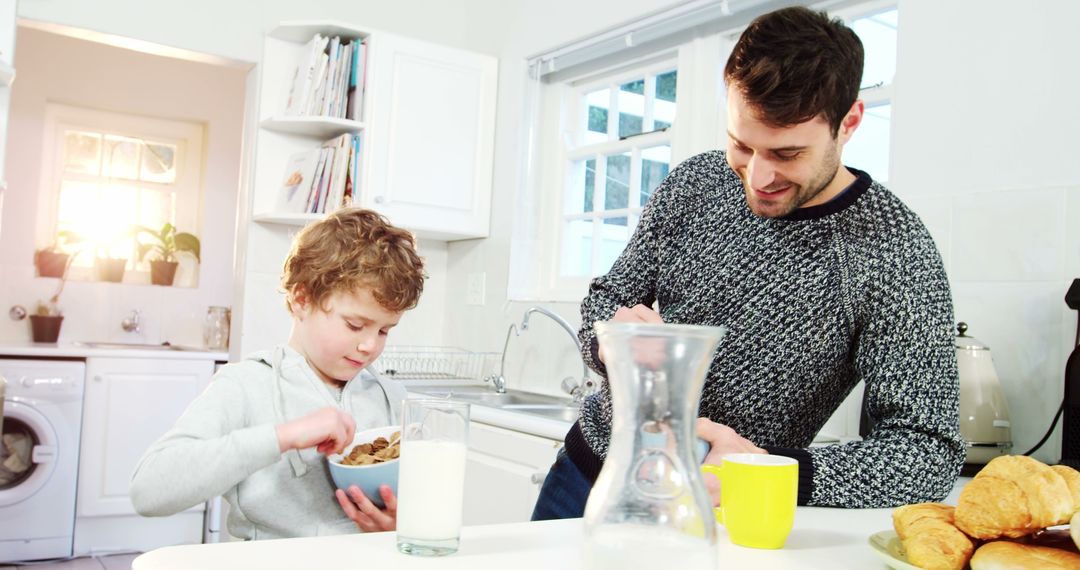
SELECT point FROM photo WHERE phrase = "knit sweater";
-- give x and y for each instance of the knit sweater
(851, 290)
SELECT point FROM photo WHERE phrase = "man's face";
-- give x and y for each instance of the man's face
(783, 168)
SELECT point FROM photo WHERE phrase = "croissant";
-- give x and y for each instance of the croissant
(930, 540)
(1072, 479)
(1013, 496)
(1003, 555)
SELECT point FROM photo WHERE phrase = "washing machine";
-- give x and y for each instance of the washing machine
(39, 457)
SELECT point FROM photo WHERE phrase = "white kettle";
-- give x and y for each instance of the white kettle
(984, 415)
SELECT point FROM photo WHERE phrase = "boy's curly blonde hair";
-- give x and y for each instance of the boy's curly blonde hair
(350, 249)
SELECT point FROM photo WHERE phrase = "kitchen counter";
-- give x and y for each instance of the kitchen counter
(822, 538)
(72, 350)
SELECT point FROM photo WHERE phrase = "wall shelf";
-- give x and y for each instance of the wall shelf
(321, 127)
(287, 219)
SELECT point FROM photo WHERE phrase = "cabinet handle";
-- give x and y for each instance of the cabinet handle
(538, 478)
(379, 199)
(97, 378)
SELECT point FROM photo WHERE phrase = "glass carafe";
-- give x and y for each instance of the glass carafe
(649, 508)
(216, 328)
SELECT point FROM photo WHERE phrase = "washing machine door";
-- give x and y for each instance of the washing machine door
(27, 452)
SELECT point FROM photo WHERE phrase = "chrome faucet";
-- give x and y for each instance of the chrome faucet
(132, 322)
(577, 389)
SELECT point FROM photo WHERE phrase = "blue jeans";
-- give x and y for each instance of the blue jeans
(564, 492)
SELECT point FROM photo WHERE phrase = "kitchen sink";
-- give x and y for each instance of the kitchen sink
(562, 413)
(553, 407)
(132, 345)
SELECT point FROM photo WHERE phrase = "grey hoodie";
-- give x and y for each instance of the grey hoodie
(225, 444)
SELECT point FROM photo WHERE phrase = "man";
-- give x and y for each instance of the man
(822, 277)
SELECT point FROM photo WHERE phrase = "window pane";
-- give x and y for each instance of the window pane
(576, 256)
(121, 159)
(82, 152)
(596, 119)
(631, 107)
(878, 35)
(617, 186)
(77, 201)
(590, 184)
(156, 208)
(664, 103)
(868, 148)
(159, 163)
(655, 163)
(613, 241)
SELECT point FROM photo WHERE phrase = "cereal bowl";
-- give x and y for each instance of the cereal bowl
(368, 477)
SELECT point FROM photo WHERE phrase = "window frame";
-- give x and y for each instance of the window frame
(187, 189)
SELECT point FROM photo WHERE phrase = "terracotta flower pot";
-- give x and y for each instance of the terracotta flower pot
(163, 272)
(45, 328)
(50, 263)
(109, 269)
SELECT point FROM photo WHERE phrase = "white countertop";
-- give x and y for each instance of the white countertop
(514, 420)
(70, 350)
(822, 538)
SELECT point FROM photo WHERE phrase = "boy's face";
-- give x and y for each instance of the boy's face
(345, 338)
(785, 168)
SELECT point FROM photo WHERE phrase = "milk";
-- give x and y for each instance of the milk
(431, 489)
(633, 547)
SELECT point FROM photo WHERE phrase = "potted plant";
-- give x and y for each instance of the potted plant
(167, 244)
(53, 261)
(109, 268)
(47, 318)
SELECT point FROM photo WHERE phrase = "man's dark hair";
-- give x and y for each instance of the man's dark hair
(794, 64)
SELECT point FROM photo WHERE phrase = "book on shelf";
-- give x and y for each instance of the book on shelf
(329, 79)
(303, 78)
(296, 184)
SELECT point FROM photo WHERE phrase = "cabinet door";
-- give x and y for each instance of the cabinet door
(431, 135)
(129, 403)
(504, 473)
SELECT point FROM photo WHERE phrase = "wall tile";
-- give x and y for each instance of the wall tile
(1023, 326)
(1008, 236)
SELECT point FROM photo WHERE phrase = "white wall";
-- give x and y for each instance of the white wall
(985, 122)
(53, 68)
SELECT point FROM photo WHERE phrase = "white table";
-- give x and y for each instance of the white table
(822, 538)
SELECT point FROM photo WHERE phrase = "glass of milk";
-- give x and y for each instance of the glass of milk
(431, 478)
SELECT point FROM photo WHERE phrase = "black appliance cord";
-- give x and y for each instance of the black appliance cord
(1061, 408)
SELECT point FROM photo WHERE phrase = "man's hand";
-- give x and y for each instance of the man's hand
(329, 430)
(635, 314)
(723, 440)
(364, 513)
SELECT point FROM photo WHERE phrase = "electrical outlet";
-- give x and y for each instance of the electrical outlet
(474, 293)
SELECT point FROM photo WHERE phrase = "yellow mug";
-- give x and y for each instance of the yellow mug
(758, 493)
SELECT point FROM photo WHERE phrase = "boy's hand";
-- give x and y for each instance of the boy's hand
(364, 513)
(329, 430)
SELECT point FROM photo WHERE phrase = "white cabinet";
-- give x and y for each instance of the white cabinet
(427, 132)
(505, 471)
(129, 403)
(431, 127)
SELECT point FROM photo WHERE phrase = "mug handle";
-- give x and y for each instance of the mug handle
(718, 471)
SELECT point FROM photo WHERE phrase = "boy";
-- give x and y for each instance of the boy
(258, 434)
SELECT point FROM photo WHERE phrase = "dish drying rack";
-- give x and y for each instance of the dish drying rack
(436, 363)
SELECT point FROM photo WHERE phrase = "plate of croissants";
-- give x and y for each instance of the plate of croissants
(1016, 513)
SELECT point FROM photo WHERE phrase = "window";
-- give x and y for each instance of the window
(109, 173)
(868, 149)
(619, 152)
